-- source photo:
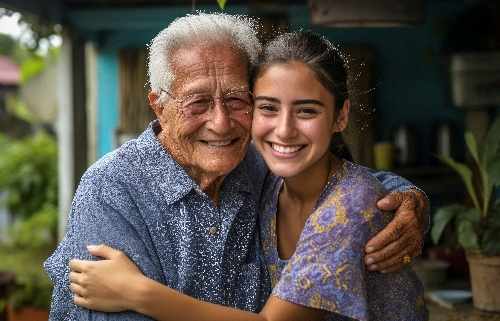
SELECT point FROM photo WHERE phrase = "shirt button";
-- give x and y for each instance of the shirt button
(224, 293)
(213, 230)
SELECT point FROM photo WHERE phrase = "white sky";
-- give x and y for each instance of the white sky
(8, 25)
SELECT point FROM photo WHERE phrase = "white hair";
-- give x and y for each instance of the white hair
(211, 28)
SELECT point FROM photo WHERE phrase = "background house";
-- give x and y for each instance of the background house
(402, 69)
(10, 78)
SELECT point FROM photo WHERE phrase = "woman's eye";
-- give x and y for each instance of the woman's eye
(307, 111)
(266, 108)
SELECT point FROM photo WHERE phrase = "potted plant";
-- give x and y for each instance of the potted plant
(29, 291)
(476, 227)
(29, 300)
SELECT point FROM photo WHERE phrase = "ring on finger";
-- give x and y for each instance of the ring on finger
(406, 259)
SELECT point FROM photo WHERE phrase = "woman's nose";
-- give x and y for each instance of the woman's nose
(285, 126)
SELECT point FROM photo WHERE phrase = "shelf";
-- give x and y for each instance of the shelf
(434, 180)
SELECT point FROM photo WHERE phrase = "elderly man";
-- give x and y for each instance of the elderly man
(181, 200)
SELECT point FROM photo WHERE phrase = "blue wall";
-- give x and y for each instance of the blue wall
(412, 80)
(107, 99)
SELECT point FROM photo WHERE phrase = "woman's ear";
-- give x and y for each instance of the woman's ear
(342, 117)
(155, 103)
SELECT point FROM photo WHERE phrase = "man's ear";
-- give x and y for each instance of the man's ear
(155, 103)
(342, 117)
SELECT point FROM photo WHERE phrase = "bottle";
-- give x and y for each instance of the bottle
(405, 141)
(444, 139)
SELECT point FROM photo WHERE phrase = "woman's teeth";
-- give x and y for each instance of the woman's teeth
(285, 150)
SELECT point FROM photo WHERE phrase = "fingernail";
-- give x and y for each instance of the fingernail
(372, 267)
(369, 260)
(90, 247)
(369, 249)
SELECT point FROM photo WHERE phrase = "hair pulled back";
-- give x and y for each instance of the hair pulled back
(322, 58)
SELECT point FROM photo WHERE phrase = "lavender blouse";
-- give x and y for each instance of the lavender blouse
(327, 271)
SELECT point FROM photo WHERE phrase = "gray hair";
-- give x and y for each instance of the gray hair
(211, 28)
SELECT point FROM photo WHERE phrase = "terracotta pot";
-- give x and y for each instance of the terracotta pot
(485, 281)
(27, 314)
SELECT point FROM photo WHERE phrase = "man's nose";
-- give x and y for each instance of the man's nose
(219, 119)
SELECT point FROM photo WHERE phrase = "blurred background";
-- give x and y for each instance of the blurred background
(73, 87)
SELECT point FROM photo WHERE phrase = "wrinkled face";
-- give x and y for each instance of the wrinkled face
(293, 118)
(212, 145)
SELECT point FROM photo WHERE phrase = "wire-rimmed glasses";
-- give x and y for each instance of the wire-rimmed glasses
(199, 105)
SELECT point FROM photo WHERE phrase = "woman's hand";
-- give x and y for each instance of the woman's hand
(105, 285)
(402, 239)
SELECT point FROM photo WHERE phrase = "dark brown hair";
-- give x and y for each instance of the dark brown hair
(322, 58)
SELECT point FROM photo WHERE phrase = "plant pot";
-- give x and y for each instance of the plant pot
(27, 314)
(485, 281)
(433, 273)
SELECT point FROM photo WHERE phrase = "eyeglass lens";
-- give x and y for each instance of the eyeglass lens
(200, 104)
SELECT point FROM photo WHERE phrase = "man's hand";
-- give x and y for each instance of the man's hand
(386, 251)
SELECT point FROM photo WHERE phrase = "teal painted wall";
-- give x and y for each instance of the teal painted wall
(412, 80)
(412, 83)
(107, 99)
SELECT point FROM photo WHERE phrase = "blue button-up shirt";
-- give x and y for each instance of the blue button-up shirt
(139, 200)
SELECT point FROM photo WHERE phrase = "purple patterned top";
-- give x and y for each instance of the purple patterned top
(327, 270)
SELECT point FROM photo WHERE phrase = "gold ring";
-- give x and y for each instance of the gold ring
(406, 259)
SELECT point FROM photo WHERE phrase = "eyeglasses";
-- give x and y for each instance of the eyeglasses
(199, 105)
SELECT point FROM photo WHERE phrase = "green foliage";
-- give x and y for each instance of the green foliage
(16, 106)
(475, 229)
(32, 286)
(28, 176)
(11, 48)
(32, 293)
(37, 230)
(221, 3)
(32, 67)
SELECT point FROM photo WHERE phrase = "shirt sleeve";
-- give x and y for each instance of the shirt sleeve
(396, 183)
(327, 270)
(102, 212)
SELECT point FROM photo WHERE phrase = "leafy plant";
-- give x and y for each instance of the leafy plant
(33, 293)
(32, 286)
(475, 228)
(221, 3)
(28, 177)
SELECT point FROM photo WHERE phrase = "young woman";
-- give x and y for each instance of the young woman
(316, 215)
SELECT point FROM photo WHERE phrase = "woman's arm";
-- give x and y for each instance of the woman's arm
(116, 284)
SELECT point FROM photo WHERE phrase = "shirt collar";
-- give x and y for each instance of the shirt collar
(161, 169)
